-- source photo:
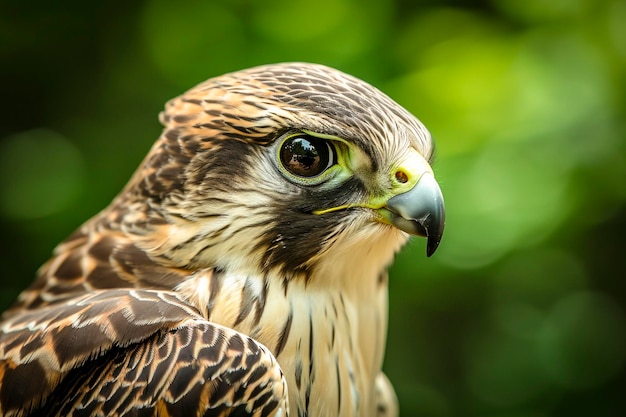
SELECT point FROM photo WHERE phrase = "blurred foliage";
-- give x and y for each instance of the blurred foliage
(521, 311)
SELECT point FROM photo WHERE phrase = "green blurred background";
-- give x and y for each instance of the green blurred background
(521, 311)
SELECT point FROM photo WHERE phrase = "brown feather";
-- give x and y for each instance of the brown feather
(150, 307)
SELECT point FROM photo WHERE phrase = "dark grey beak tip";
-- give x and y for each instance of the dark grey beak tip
(421, 212)
(433, 241)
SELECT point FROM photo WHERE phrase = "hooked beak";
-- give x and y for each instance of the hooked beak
(419, 211)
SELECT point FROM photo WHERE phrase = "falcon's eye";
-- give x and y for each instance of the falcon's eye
(307, 156)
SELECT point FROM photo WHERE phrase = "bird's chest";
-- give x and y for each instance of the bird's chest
(329, 344)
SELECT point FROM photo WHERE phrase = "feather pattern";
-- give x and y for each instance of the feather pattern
(208, 287)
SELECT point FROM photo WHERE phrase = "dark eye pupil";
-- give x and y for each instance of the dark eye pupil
(305, 156)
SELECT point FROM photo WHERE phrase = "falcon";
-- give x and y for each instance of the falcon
(242, 270)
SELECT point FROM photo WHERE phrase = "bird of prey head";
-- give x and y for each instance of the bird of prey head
(243, 267)
(276, 167)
